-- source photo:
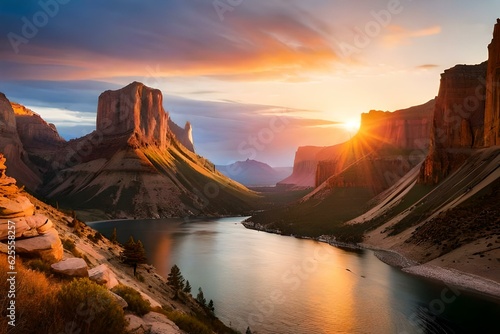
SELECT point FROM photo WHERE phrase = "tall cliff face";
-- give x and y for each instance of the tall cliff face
(467, 114)
(12, 147)
(403, 129)
(135, 112)
(458, 120)
(459, 113)
(304, 167)
(382, 136)
(34, 132)
(492, 112)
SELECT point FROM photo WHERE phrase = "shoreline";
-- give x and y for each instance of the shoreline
(459, 279)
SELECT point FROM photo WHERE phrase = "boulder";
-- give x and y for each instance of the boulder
(122, 302)
(47, 246)
(19, 206)
(160, 324)
(136, 325)
(75, 267)
(26, 227)
(102, 275)
(20, 224)
(45, 226)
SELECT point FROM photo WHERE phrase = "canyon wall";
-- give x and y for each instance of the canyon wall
(12, 147)
(458, 122)
(34, 132)
(467, 114)
(459, 113)
(492, 112)
(403, 129)
(384, 135)
(304, 167)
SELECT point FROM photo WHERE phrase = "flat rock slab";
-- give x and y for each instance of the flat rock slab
(74, 267)
(47, 246)
(19, 206)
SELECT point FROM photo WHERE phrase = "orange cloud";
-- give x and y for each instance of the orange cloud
(398, 35)
(281, 47)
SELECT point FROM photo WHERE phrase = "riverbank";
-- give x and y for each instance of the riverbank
(450, 276)
(468, 281)
(456, 278)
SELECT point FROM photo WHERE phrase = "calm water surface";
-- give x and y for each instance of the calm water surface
(277, 284)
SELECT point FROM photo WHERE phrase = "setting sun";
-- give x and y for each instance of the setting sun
(351, 126)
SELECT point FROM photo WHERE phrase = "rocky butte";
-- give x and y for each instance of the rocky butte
(135, 163)
(135, 111)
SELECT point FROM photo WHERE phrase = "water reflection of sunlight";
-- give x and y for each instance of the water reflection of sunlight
(162, 251)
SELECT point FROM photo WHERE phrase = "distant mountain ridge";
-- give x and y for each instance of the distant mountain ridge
(254, 173)
(134, 165)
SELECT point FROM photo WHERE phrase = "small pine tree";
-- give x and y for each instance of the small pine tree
(211, 306)
(175, 280)
(113, 236)
(248, 330)
(134, 253)
(200, 298)
(187, 288)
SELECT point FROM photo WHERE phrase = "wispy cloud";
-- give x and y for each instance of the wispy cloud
(182, 38)
(398, 35)
(426, 67)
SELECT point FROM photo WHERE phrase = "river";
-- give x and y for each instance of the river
(277, 284)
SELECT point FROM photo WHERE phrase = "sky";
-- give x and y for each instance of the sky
(256, 78)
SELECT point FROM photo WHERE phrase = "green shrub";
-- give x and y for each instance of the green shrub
(188, 323)
(37, 308)
(90, 308)
(95, 238)
(136, 303)
(68, 244)
(38, 265)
